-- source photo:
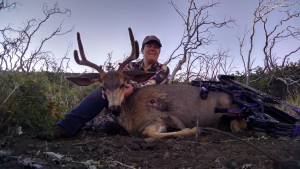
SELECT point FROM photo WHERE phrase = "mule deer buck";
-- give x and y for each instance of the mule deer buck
(158, 111)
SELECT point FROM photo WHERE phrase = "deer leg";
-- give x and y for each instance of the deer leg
(236, 125)
(170, 123)
(173, 123)
(151, 131)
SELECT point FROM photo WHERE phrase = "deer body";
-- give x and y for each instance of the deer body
(170, 107)
(158, 111)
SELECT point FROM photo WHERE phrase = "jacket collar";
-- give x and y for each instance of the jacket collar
(153, 67)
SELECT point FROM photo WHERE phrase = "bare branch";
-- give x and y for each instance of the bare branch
(5, 5)
(197, 33)
(16, 86)
(17, 43)
(171, 56)
(278, 33)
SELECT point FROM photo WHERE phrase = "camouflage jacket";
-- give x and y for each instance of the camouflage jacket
(161, 76)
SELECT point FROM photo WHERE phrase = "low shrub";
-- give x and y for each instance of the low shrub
(32, 100)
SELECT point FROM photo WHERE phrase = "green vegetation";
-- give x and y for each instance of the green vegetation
(36, 100)
(285, 83)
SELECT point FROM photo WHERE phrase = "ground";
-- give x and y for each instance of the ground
(92, 148)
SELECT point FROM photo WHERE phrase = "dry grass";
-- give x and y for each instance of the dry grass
(293, 99)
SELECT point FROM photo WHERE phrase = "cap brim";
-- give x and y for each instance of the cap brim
(153, 41)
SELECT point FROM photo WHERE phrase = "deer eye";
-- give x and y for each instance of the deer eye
(103, 89)
(122, 86)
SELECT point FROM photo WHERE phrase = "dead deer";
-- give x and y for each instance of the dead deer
(157, 111)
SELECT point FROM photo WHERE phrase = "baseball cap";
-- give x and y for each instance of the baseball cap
(151, 38)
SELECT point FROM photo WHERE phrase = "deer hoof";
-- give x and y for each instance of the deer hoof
(200, 130)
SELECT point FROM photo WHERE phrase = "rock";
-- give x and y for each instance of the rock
(249, 166)
(4, 155)
(37, 166)
(54, 155)
(29, 162)
(112, 165)
(149, 140)
(166, 156)
(266, 164)
(221, 162)
(260, 135)
(145, 163)
(67, 159)
(283, 138)
(234, 165)
(19, 130)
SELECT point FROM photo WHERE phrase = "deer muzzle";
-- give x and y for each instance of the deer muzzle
(115, 110)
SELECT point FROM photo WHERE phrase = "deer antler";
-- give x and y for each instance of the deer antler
(134, 52)
(84, 61)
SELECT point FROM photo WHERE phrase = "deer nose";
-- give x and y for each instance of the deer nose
(115, 110)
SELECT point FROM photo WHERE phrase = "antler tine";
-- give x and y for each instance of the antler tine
(134, 52)
(84, 61)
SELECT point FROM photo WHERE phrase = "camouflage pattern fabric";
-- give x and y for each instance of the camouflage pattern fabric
(161, 76)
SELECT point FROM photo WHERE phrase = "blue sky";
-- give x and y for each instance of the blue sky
(103, 27)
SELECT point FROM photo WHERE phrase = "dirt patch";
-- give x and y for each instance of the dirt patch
(92, 148)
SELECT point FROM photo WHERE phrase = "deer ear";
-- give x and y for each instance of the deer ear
(138, 76)
(85, 79)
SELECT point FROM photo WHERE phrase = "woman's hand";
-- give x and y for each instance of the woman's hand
(128, 90)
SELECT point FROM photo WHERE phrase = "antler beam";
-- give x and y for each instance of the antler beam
(134, 55)
(84, 61)
(134, 51)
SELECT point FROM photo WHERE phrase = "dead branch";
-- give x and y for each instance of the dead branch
(16, 86)
(248, 64)
(273, 35)
(5, 5)
(197, 32)
(276, 34)
(174, 57)
(60, 68)
(16, 54)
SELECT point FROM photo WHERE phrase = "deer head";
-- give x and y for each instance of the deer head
(113, 81)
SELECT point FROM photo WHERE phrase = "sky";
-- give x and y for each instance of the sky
(103, 25)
